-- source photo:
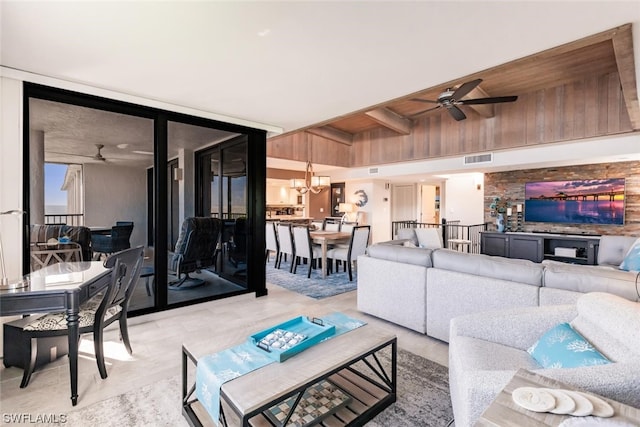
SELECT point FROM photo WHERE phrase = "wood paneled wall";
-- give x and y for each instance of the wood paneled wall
(587, 108)
(584, 109)
(511, 185)
(303, 146)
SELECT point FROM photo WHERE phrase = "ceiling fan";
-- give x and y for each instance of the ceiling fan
(451, 98)
(98, 156)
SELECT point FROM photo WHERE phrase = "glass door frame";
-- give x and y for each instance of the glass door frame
(256, 182)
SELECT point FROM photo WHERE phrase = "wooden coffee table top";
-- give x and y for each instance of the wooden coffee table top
(253, 390)
(504, 412)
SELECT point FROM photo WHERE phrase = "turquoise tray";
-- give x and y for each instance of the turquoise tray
(314, 332)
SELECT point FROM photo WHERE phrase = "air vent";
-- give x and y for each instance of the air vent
(478, 158)
(373, 171)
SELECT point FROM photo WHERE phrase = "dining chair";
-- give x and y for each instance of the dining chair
(116, 241)
(285, 238)
(94, 315)
(330, 225)
(347, 226)
(272, 244)
(305, 249)
(357, 246)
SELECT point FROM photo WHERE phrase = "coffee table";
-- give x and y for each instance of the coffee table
(353, 361)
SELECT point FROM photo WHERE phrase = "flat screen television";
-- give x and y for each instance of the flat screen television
(589, 201)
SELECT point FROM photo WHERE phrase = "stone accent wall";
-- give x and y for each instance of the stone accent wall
(511, 185)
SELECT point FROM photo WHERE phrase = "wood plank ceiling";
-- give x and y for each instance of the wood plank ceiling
(598, 55)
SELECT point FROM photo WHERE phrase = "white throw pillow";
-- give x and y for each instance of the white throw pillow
(429, 237)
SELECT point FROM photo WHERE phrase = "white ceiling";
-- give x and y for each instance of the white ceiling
(287, 64)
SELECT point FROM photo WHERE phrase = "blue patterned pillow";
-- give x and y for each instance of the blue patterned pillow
(631, 261)
(563, 347)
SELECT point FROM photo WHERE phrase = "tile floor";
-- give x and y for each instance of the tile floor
(157, 339)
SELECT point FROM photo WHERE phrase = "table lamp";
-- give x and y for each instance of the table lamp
(4, 280)
(347, 208)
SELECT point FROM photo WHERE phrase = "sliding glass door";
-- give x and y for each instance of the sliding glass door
(222, 182)
(134, 164)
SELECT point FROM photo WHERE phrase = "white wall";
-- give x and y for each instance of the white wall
(116, 193)
(377, 211)
(462, 200)
(11, 173)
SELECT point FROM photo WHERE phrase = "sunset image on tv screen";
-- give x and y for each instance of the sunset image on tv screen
(593, 201)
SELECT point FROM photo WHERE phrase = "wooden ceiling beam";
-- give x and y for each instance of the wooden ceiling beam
(485, 110)
(333, 134)
(623, 50)
(391, 120)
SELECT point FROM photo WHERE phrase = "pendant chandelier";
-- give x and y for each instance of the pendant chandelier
(312, 183)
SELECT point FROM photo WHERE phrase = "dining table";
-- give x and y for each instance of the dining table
(58, 287)
(325, 238)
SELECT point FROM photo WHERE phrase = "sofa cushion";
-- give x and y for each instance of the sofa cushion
(429, 237)
(563, 347)
(398, 253)
(407, 234)
(611, 324)
(515, 270)
(612, 249)
(588, 278)
(631, 261)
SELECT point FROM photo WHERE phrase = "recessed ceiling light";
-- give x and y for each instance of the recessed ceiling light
(264, 32)
(122, 146)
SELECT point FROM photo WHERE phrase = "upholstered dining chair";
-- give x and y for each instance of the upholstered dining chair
(95, 315)
(331, 225)
(305, 249)
(357, 246)
(194, 251)
(285, 238)
(272, 244)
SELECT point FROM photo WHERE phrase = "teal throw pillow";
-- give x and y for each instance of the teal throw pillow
(563, 347)
(631, 261)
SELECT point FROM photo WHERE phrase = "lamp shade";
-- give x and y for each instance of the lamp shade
(345, 207)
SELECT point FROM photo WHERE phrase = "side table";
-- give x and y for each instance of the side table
(504, 412)
(44, 254)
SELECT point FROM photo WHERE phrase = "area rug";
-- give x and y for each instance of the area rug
(423, 400)
(315, 287)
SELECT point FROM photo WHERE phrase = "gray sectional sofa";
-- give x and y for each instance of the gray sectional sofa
(487, 349)
(423, 289)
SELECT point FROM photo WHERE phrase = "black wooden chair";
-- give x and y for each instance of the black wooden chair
(195, 250)
(96, 314)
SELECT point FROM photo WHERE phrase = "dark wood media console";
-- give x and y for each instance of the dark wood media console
(571, 248)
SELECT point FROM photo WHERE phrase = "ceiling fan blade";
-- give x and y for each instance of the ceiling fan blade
(428, 101)
(419, 113)
(456, 113)
(465, 88)
(492, 100)
(69, 154)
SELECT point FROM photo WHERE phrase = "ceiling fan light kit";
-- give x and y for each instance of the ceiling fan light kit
(98, 155)
(451, 98)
